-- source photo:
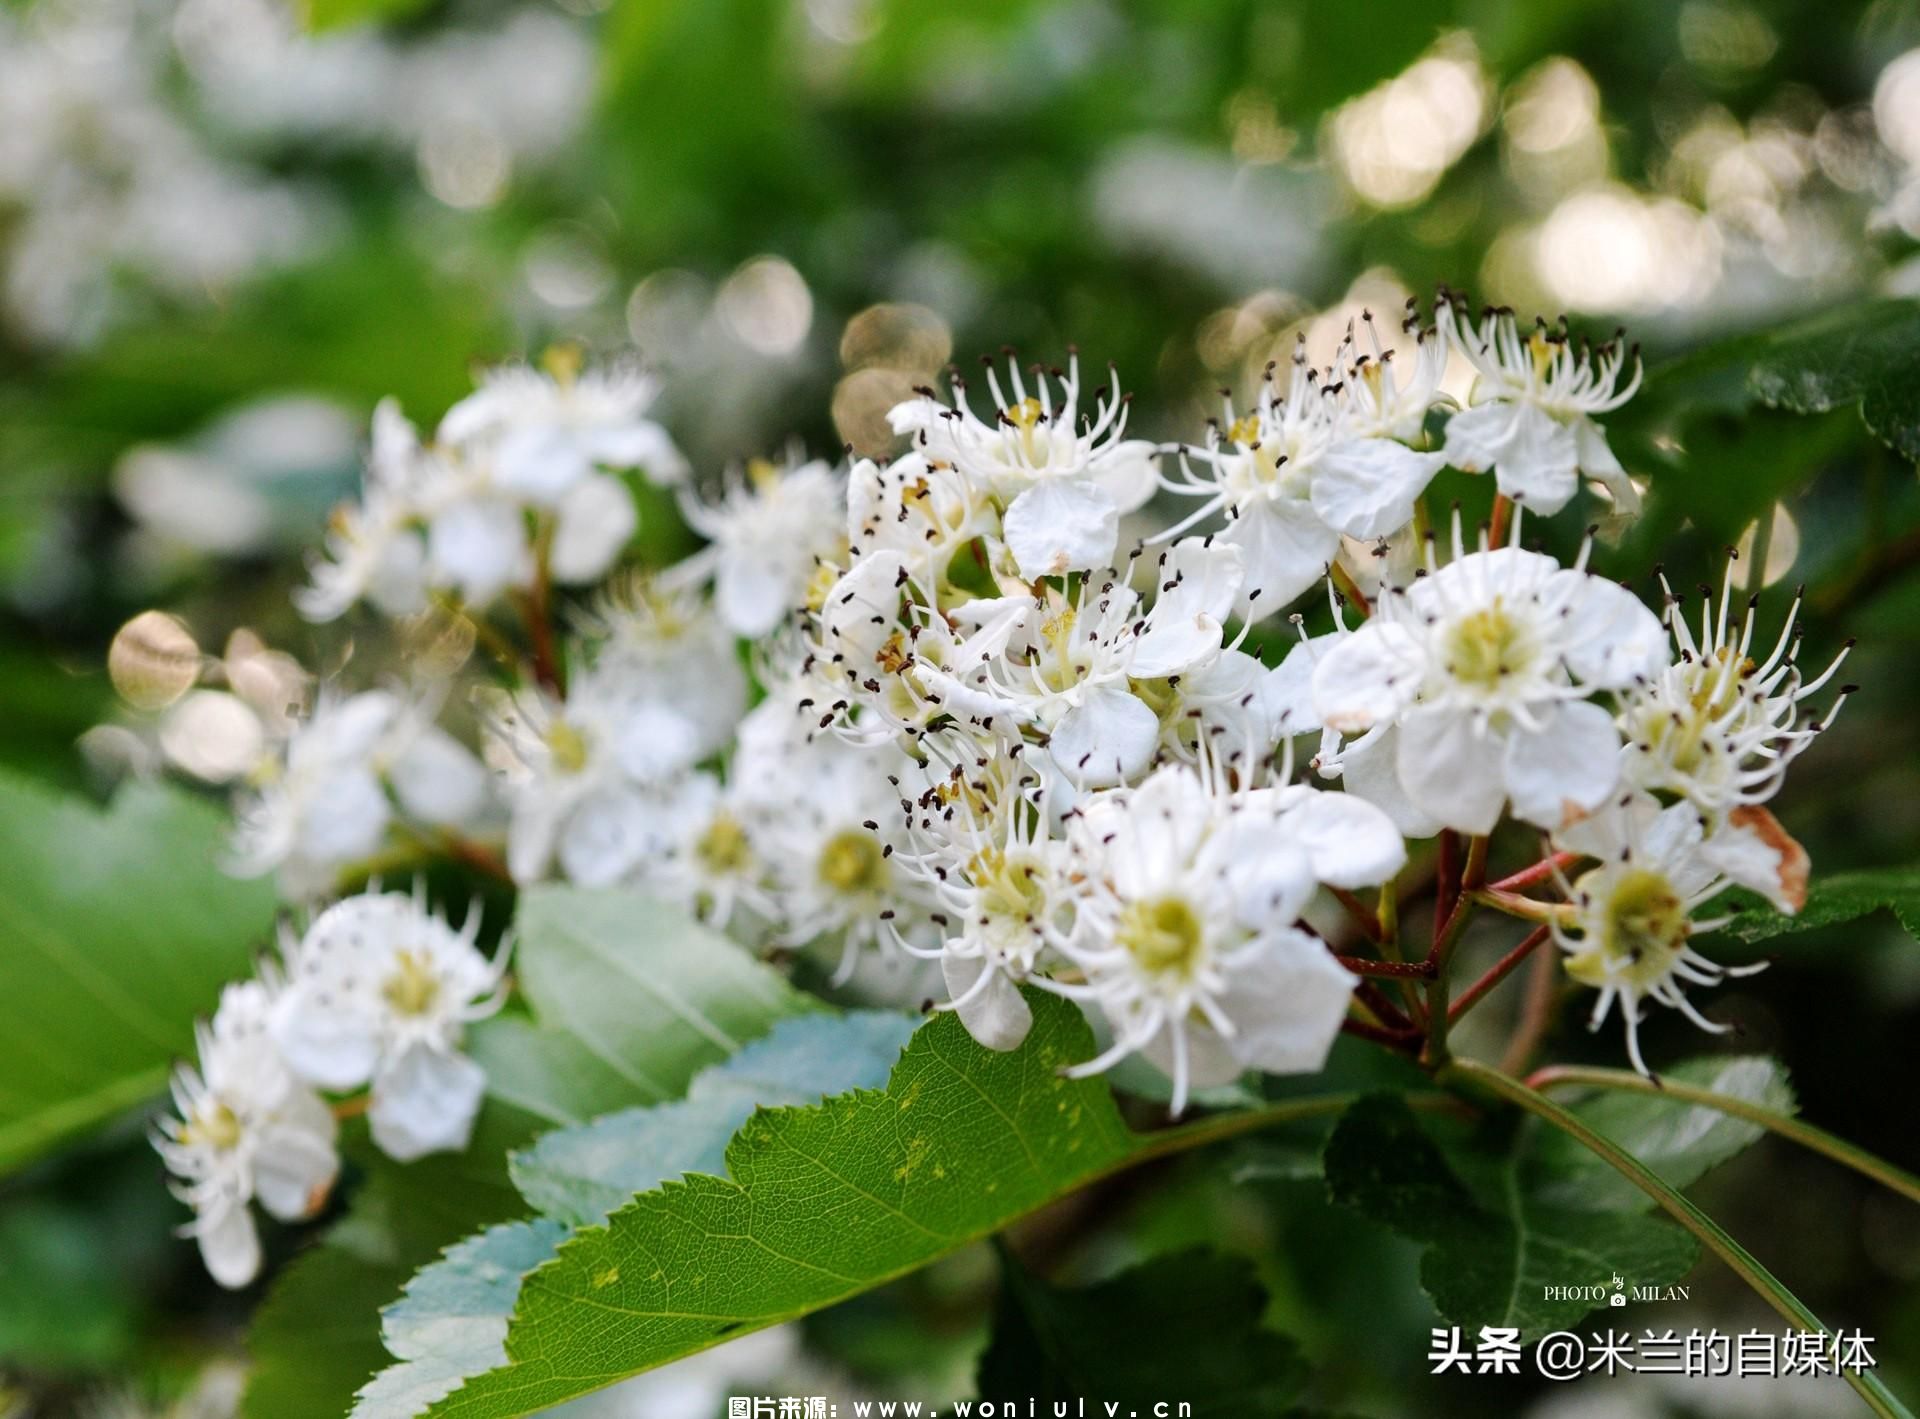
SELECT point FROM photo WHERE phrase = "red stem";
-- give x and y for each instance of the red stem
(1398, 970)
(1500, 970)
(1541, 871)
(1406, 1041)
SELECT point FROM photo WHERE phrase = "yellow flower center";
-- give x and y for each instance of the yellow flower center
(1164, 936)
(1009, 887)
(1486, 646)
(568, 747)
(413, 986)
(852, 862)
(563, 362)
(723, 846)
(219, 1127)
(1643, 927)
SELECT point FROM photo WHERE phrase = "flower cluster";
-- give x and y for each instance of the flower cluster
(930, 719)
(376, 991)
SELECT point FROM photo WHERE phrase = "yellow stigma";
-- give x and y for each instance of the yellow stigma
(763, 473)
(852, 862)
(1027, 413)
(568, 747)
(1161, 696)
(723, 847)
(1164, 935)
(218, 1127)
(1245, 430)
(1542, 349)
(413, 986)
(563, 361)
(1484, 647)
(1643, 928)
(1008, 886)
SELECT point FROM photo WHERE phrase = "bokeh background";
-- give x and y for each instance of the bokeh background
(227, 227)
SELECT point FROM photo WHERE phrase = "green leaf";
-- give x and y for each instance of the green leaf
(1680, 1144)
(319, 15)
(1494, 1246)
(1835, 898)
(631, 999)
(820, 1204)
(452, 1322)
(1111, 1343)
(579, 1175)
(119, 929)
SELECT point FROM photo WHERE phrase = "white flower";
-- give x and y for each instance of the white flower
(374, 552)
(1304, 468)
(586, 777)
(1628, 932)
(247, 1130)
(712, 864)
(827, 821)
(667, 642)
(1716, 726)
(326, 804)
(1187, 937)
(769, 531)
(1067, 478)
(986, 846)
(924, 511)
(1484, 669)
(1078, 667)
(546, 432)
(380, 991)
(1530, 414)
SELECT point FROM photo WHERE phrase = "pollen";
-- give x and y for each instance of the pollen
(852, 862)
(413, 986)
(1643, 928)
(1486, 646)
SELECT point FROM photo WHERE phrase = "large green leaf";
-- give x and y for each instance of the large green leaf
(1112, 1343)
(819, 1205)
(1678, 1143)
(631, 999)
(1835, 898)
(117, 930)
(452, 1322)
(1495, 1248)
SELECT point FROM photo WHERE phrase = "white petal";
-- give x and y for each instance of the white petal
(1477, 438)
(1367, 487)
(1538, 467)
(1351, 842)
(344, 817)
(1061, 525)
(438, 780)
(1107, 738)
(1448, 771)
(540, 462)
(334, 1045)
(644, 445)
(397, 585)
(1755, 851)
(753, 595)
(229, 1244)
(425, 1102)
(591, 528)
(1129, 474)
(1611, 639)
(1268, 870)
(1598, 463)
(1210, 1059)
(998, 1017)
(1368, 677)
(1287, 549)
(1287, 998)
(1564, 769)
(606, 836)
(1371, 770)
(531, 835)
(480, 547)
(293, 1172)
(656, 741)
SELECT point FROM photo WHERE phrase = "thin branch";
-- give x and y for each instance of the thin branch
(1541, 871)
(1500, 970)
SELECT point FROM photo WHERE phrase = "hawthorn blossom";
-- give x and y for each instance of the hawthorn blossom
(247, 1131)
(768, 532)
(1718, 727)
(1307, 465)
(1628, 933)
(1187, 940)
(327, 799)
(1483, 671)
(546, 431)
(380, 991)
(1530, 414)
(926, 512)
(1065, 478)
